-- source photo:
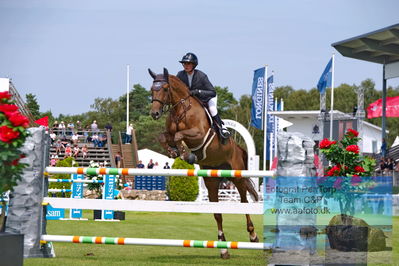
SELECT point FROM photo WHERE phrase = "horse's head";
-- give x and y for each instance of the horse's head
(159, 92)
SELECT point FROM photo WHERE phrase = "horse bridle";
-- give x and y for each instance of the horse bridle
(164, 84)
(158, 85)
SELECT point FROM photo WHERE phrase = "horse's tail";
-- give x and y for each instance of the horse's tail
(248, 181)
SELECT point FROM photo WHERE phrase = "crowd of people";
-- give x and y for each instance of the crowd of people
(152, 165)
(66, 138)
(387, 166)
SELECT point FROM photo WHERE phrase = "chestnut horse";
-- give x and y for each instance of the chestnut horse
(189, 133)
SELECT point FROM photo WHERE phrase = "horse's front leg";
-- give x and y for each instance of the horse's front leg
(188, 134)
(167, 142)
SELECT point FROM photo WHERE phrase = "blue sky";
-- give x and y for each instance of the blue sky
(68, 52)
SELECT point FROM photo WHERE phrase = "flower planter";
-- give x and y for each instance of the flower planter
(11, 249)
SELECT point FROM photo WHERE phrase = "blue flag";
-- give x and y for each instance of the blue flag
(258, 92)
(270, 103)
(325, 79)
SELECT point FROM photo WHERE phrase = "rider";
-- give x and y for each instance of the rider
(200, 86)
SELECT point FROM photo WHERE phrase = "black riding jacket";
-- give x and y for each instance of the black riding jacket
(200, 82)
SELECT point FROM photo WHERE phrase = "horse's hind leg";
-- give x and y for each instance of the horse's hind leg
(241, 187)
(212, 184)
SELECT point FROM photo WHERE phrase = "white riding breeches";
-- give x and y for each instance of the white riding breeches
(212, 106)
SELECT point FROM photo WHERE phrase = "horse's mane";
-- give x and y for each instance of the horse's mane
(178, 82)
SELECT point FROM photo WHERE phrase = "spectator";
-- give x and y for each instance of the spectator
(108, 127)
(150, 164)
(382, 165)
(156, 165)
(53, 161)
(166, 166)
(76, 151)
(68, 151)
(84, 151)
(55, 126)
(62, 129)
(86, 134)
(94, 127)
(95, 139)
(118, 159)
(390, 166)
(140, 164)
(71, 129)
(129, 134)
(58, 146)
(53, 137)
(102, 140)
(79, 126)
(75, 138)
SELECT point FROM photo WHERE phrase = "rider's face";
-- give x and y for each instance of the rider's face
(188, 67)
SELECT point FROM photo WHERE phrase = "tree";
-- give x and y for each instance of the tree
(139, 102)
(226, 101)
(33, 105)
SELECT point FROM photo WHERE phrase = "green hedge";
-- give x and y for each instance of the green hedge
(67, 162)
(182, 188)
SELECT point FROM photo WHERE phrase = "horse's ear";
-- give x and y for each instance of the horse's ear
(166, 74)
(153, 75)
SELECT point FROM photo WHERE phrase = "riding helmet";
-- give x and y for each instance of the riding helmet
(190, 58)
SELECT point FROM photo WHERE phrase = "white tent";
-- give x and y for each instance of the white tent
(145, 155)
(396, 142)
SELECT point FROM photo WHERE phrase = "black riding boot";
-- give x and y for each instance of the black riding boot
(218, 123)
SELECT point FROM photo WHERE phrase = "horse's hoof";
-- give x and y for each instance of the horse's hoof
(191, 158)
(225, 256)
(256, 239)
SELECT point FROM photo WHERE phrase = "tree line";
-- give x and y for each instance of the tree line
(113, 111)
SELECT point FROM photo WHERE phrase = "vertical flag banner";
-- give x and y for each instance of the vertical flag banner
(258, 92)
(270, 103)
(270, 118)
(326, 78)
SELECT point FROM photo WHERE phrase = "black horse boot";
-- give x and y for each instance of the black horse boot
(222, 130)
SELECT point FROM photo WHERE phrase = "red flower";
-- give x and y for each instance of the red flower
(356, 180)
(334, 171)
(7, 134)
(353, 148)
(8, 108)
(15, 162)
(325, 143)
(352, 133)
(359, 169)
(5, 95)
(17, 119)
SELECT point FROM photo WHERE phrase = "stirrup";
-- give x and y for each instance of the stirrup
(224, 133)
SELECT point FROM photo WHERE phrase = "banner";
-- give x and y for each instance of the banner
(326, 78)
(258, 90)
(77, 193)
(392, 108)
(109, 186)
(270, 104)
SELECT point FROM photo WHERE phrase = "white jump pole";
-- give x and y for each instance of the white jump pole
(154, 242)
(158, 172)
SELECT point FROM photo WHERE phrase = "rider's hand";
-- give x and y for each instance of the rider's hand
(195, 92)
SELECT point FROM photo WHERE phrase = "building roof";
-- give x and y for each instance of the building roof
(314, 114)
(380, 46)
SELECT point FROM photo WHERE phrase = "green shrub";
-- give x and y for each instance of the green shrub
(395, 190)
(67, 162)
(182, 188)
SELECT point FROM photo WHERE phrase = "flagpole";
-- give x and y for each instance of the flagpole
(264, 117)
(127, 97)
(332, 98)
